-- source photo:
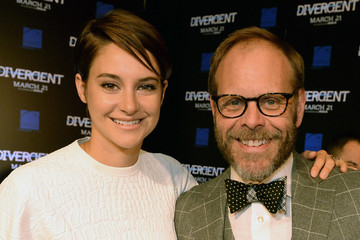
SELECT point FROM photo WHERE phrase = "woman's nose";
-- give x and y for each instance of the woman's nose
(128, 102)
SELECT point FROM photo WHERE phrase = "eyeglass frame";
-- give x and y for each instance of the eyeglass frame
(255, 99)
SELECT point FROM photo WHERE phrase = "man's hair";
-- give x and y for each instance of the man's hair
(248, 36)
(129, 32)
(336, 145)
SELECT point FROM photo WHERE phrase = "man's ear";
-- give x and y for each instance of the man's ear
(80, 87)
(163, 90)
(300, 107)
(213, 106)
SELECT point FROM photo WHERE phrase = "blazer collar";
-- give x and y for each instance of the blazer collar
(216, 190)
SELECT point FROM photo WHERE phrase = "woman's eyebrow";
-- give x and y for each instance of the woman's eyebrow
(116, 77)
(149, 79)
(109, 75)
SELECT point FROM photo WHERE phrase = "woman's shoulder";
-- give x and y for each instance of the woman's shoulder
(42, 167)
(162, 158)
(180, 176)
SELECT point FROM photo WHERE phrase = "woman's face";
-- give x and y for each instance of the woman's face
(123, 98)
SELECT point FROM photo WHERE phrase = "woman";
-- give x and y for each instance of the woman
(105, 187)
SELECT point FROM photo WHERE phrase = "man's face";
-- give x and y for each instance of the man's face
(256, 145)
(351, 154)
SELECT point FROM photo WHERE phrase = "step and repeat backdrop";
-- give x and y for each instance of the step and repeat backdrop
(41, 112)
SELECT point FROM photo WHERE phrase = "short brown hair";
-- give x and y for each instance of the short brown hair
(247, 35)
(128, 31)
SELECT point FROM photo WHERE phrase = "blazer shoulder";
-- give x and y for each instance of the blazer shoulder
(344, 182)
(336, 180)
(205, 190)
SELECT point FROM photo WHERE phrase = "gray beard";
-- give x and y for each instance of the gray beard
(236, 159)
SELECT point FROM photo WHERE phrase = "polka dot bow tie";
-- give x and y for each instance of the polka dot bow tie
(272, 195)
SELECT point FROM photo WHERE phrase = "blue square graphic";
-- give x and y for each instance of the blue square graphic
(322, 56)
(313, 141)
(103, 8)
(29, 120)
(268, 17)
(32, 38)
(205, 61)
(202, 137)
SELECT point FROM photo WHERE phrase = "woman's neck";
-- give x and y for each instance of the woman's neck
(111, 155)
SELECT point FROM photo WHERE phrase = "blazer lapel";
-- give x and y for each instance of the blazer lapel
(306, 200)
(218, 213)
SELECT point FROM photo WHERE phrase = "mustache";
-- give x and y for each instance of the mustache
(246, 134)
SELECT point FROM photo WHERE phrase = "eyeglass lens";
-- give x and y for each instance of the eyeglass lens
(268, 104)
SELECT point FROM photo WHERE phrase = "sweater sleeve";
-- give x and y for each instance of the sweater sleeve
(18, 219)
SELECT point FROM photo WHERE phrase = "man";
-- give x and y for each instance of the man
(256, 83)
(347, 147)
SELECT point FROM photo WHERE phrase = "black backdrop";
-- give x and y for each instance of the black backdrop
(40, 110)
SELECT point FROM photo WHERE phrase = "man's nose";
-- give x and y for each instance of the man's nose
(252, 117)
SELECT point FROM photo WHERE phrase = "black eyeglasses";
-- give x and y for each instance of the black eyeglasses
(269, 104)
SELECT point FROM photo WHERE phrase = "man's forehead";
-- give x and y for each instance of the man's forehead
(254, 58)
(261, 66)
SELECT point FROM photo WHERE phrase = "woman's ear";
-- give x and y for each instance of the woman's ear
(80, 87)
(163, 90)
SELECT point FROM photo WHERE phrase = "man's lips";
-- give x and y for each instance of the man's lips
(254, 143)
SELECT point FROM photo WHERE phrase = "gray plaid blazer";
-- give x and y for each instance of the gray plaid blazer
(327, 209)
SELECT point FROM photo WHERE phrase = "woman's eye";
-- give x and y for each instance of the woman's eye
(109, 85)
(147, 87)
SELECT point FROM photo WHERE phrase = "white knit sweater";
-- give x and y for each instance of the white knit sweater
(69, 195)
